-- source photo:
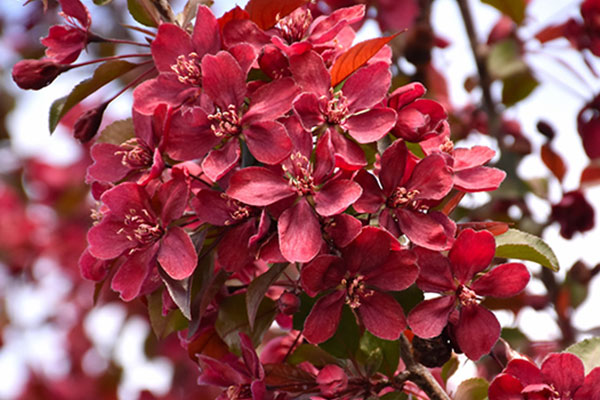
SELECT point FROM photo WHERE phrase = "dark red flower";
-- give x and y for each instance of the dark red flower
(36, 74)
(457, 277)
(410, 188)
(360, 278)
(65, 42)
(588, 126)
(561, 377)
(573, 213)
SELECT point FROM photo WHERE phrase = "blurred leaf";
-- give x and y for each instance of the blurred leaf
(190, 10)
(355, 57)
(344, 342)
(313, 354)
(449, 368)
(472, 389)
(386, 352)
(590, 176)
(208, 343)
(515, 338)
(288, 376)
(258, 287)
(554, 162)
(525, 246)
(163, 326)
(102, 2)
(409, 298)
(589, 352)
(515, 9)
(233, 319)
(180, 292)
(394, 396)
(538, 186)
(306, 304)
(117, 133)
(517, 87)
(550, 33)
(104, 74)
(144, 12)
(266, 13)
(505, 60)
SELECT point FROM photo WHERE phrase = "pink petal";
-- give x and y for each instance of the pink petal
(406, 94)
(325, 26)
(212, 207)
(299, 233)
(590, 390)
(478, 179)
(564, 371)
(471, 253)
(271, 101)
(172, 198)
(331, 380)
(368, 87)
(310, 73)
(92, 268)
(348, 155)
(323, 272)
(503, 281)
(505, 387)
(473, 157)
(306, 107)
(233, 252)
(207, 34)
(219, 162)
(335, 196)
(393, 165)
(477, 331)
(371, 125)
(324, 158)
(177, 254)
(107, 166)
(76, 9)
(324, 318)
(105, 242)
(398, 272)
(435, 271)
(429, 318)
(382, 315)
(130, 276)
(258, 186)
(171, 42)
(372, 196)
(190, 136)
(431, 177)
(368, 251)
(343, 230)
(268, 141)
(426, 230)
(223, 79)
(525, 371)
(164, 89)
(245, 55)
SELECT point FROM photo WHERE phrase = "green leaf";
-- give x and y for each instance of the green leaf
(163, 326)
(104, 74)
(517, 87)
(449, 368)
(472, 389)
(117, 133)
(233, 319)
(344, 342)
(313, 354)
(306, 304)
(515, 9)
(505, 59)
(143, 12)
(102, 2)
(394, 396)
(589, 352)
(180, 292)
(258, 287)
(525, 246)
(371, 347)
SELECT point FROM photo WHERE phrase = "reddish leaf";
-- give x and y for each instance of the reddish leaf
(266, 13)
(494, 227)
(234, 14)
(550, 33)
(554, 162)
(288, 375)
(452, 203)
(356, 57)
(257, 289)
(208, 343)
(590, 176)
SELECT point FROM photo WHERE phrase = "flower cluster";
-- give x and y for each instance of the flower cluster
(264, 155)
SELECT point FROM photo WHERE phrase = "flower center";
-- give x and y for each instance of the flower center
(356, 290)
(404, 198)
(239, 392)
(447, 146)
(301, 178)
(225, 123)
(141, 227)
(294, 27)
(336, 109)
(188, 69)
(467, 297)
(134, 154)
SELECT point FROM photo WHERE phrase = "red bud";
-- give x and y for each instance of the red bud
(36, 74)
(87, 125)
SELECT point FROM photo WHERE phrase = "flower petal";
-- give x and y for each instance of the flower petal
(335, 196)
(429, 318)
(306, 107)
(258, 186)
(431, 177)
(223, 79)
(435, 271)
(477, 331)
(393, 164)
(177, 254)
(478, 179)
(299, 233)
(206, 37)
(130, 276)
(382, 315)
(398, 272)
(590, 390)
(171, 42)
(565, 371)
(268, 141)
(310, 73)
(525, 371)
(503, 281)
(370, 126)
(271, 100)
(323, 272)
(324, 318)
(368, 87)
(219, 162)
(471, 253)
(432, 231)
(505, 387)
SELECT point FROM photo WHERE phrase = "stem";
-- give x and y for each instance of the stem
(164, 9)
(121, 41)
(83, 64)
(420, 374)
(485, 80)
(135, 81)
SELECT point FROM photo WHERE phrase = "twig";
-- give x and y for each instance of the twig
(164, 9)
(420, 374)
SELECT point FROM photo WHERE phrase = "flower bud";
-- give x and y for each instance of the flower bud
(288, 303)
(36, 74)
(87, 125)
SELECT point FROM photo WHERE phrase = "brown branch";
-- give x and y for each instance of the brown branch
(419, 374)
(485, 80)
(164, 9)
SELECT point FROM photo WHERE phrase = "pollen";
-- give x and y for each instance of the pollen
(188, 69)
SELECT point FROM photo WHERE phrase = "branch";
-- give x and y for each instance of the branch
(485, 80)
(420, 374)
(164, 9)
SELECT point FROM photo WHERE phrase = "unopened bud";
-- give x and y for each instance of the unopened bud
(87, 125)
(36, 74)
(288, 303)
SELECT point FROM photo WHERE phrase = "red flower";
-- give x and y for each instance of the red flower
(359, 278)
(36, 74)
(139, 227)
(561, 377)
(409, 189)
(573, 213)
(588, 126)
(457, 278)
(65, 42)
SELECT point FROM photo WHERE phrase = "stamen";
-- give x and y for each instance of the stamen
(467, 297)
(404, 198)
(140, 227)
(188, 69)
(294, 27)
(336, 109)
(225, 123)
(356, 291)
(135, 154)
